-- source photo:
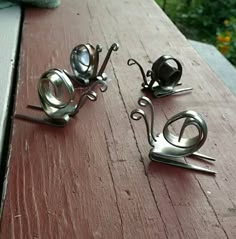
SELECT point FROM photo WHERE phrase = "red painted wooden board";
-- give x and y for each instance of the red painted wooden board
(93, 178)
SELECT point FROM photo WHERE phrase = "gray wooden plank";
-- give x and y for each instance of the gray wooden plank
(218, 63)
(9, 31)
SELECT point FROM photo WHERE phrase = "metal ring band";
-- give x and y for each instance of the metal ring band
(163, 59)
(52, 106)
(189, 144)
(91, 54)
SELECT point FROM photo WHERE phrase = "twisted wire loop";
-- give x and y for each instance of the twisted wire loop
(90, 94)
(137, 114)
(98, 48)
(101, 82)
(113, 47)
(56, 94)
(149, 73)
(131, 62)
(187, 145)
(144, 102)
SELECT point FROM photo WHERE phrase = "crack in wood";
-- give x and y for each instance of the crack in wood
(167, 191)
(113, 184)
(213, 209)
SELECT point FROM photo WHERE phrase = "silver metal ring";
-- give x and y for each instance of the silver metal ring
(56, 93)
(84, 60)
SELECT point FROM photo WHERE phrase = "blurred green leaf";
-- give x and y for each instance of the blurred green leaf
(203, 20)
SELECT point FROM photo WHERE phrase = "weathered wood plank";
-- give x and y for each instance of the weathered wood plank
(187, 223)
(93, 179)
(9, 30)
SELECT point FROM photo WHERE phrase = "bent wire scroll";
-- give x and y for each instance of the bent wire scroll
(164, 76)
(56, 95)
(168, 148)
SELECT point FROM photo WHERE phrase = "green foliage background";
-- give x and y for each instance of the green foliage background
(208, 21)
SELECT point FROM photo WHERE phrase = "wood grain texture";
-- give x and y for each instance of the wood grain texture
(9, 30)
(93, 179)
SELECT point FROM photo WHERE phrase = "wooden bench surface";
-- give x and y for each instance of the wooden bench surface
(93, 178)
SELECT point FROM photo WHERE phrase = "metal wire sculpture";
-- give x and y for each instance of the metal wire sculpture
(84, 60)
(168, 148)
(56, 95)
(164, 76)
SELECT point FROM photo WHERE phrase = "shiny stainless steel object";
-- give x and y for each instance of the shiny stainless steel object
(84, 60)
(164, 76)
(56, 94)
(168, 148)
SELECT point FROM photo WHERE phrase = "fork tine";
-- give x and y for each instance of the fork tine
(39, 121)
(35, 107)
(176, 91)
(203, 156)
(181, 165)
